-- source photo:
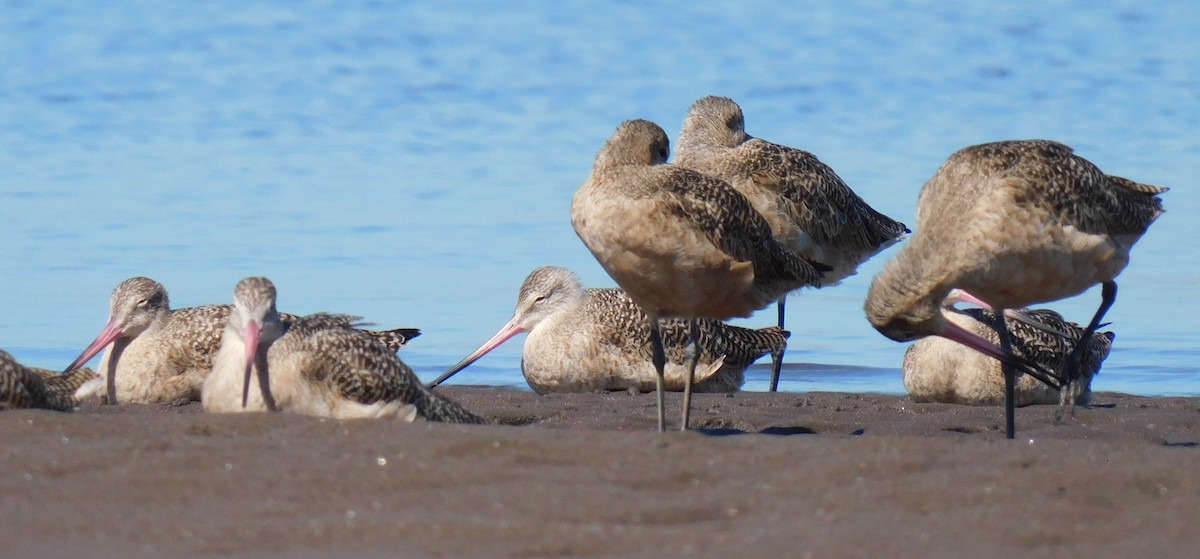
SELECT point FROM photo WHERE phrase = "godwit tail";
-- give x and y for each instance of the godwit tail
(27, 387)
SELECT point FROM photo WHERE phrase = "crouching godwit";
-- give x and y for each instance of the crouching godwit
(810, 208)
(680, 243)
(158, 354)
(938, 370)
(583, 340)
(315, 365)
(1014, 224)
(28, 387)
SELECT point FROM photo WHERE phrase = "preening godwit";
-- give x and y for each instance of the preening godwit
(27, 387)
(162, 355)
(680, 243)
(810, 208)
(938, 370)
(1014, 224)
(315, 365)
(583, 340)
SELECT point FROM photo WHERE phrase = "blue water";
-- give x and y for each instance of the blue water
(412, 163)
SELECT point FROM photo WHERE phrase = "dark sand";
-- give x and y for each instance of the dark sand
(583, 475)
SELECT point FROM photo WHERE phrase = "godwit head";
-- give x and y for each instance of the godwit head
(902, 307)
(257, 323)
(635, 142)
(546, 292)
(134, 306)
(712, 123)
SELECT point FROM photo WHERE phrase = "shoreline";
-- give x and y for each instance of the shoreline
(584, 475)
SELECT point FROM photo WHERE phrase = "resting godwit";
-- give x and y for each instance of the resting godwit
(162, 355)
(810, 209)
(27, 387)
(315, 365)
(583, 340)
(1014, 224)
(680, 243)
(939, 370)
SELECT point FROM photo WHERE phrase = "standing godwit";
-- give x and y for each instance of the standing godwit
(162, 355)
(810, 209)
(27, 387)
(680, 243)
(1014, 224)
(583, 340)
(315, 365)
(938, 370)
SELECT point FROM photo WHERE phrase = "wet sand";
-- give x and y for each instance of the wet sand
(583, 475)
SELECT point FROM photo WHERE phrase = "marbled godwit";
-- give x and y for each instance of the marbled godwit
(1014, 224)
(680, 243)
(162, 355)
(315, 365)
(27, 387)
(810, 209)
(938, 370)
(583, 340)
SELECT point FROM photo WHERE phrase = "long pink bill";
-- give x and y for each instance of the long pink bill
(509, 330)
(957, 333)
(112, 331)
(958, 295)
(250, 337)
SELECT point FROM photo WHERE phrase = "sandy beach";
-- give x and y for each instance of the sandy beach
(584, 475)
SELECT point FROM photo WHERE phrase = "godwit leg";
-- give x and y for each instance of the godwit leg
(660, 362)
(1108, 295)
(1010, 378)
(777, 357)
(693, 349)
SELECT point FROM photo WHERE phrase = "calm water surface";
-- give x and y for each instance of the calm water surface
(413, 163)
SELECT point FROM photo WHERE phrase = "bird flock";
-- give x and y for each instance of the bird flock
(732, 225)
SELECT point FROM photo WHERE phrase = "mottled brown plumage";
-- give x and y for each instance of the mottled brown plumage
(1014, 224)
(581, 340)
(708, 251)
(680, 243)
(810, 208)
(938, 370)
(29, 387)
(162, 355)
(316, 365)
